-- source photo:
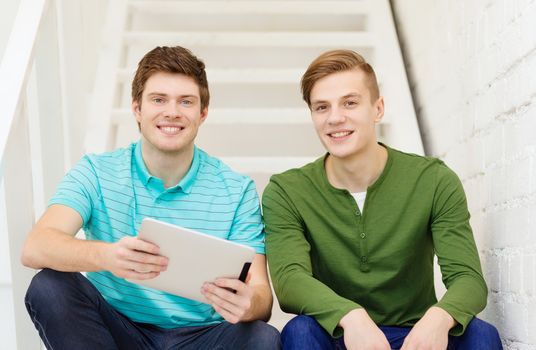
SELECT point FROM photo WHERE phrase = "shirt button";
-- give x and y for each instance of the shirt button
(364, 259)
(357, 212)
(363, 235)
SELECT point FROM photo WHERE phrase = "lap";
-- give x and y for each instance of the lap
(80, 310)
(305, 331)
(244, 335)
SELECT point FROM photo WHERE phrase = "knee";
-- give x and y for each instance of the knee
(485, 332)
(301, 327)
(45, 287)
(266, 336)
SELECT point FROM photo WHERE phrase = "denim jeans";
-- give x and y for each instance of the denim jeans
(303, 332)
(70, 313)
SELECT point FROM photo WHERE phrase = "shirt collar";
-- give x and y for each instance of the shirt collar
(186, 183)
(141, 168)
(321, 167)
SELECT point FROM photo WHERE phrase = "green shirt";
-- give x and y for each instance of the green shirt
(327, 258)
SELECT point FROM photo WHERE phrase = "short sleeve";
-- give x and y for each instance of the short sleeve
(247, 227)
(78, 189)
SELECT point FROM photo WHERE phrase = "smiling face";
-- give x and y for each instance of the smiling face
(169, 113)
(344, 114)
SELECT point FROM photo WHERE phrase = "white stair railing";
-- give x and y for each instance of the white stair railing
(32, 148)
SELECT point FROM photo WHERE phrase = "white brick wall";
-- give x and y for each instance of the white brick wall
(472, 66)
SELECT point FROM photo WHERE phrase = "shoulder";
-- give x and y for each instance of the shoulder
(216, 171)
(298, 180)
(411, 159)
(425, 169)
(104, 166)
(410, 163)
(116, 159)
(309, 171)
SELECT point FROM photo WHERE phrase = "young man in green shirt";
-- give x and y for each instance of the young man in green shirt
(351, 237)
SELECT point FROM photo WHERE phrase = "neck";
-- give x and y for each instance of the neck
(170, 167)
(358, 172)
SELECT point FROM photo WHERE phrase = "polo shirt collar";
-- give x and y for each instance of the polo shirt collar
(186, 183)
(141, 168)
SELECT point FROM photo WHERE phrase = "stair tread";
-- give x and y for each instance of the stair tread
(252, 75)
(269, 165)
(252, 39)
(253, 7)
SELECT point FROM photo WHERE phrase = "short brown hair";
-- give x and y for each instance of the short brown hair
(333, 62)
(174, 59)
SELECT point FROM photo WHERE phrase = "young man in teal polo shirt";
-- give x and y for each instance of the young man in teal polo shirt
(351, 237)
(163, 176)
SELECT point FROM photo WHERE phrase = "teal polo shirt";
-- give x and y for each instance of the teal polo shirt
(114, 191)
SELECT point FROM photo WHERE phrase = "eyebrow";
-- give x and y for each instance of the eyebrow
(352, 94)
(156, 93)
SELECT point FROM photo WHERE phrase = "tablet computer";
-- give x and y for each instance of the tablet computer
(194, 258)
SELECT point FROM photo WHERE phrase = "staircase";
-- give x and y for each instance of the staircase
(255, 53)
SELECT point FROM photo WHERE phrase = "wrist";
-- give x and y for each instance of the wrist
(101, 256)
(445, 318)
(354, 316)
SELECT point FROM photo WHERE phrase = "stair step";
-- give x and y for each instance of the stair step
(251, 7)
(266, 165)
(252, 40)
(260, 140)
(237, 76)
(233, 57)
(233, 116)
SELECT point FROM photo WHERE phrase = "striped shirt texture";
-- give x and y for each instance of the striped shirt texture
(114, 191)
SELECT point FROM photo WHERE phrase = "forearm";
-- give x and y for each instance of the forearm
(51, 248)
(301, 293)
(464, 298)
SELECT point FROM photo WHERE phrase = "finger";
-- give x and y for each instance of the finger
(134, 275)
(144, 268)
(231, 283)
(222, 293)
(228, 316)
(143, 246)
(221, 304)
(145, 258)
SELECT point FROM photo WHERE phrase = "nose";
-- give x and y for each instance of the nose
(172, 110)
(336, 116)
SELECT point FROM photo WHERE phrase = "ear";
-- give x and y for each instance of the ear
(136, 109)
(379, 108)
(204, 114)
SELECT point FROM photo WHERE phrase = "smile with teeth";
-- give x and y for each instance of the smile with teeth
(170, 129)
(340, 134)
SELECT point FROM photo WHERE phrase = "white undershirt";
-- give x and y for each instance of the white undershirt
(360, 199)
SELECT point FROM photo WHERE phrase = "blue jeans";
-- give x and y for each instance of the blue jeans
(70, 313)
(303, 332)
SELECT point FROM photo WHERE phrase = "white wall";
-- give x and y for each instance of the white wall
(472, 66)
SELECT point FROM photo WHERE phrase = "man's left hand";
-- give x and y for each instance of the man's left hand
(233, 307)
(431, 332)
